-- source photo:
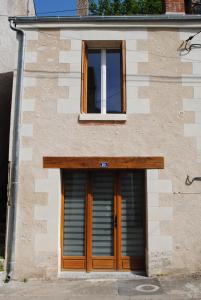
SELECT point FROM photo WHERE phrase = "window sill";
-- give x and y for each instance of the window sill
(103, 117)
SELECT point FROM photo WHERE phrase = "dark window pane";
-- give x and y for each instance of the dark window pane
(113, 81)
(94, 82)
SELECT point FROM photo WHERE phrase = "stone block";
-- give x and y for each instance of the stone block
(152, 186)
(69, 57)
(131, 45)
(31, 57)
(160, 243)
(160, 213)
(68, 106)
(164, 186)
(29, 81)
(152, 174)
(75, 68)
(26, 154)
(27, 130)
(131, 92)
(45, 243)
(197, 68)
(199, 143)
(140, 106)
(69, 81)
(198, 118)
(28, 105)
(40, 212)
(32, 35)
(76, 45)
(153, 199)
(192, 104)
(41, 186)
(136, 56)
(74, 92)
(131, 68)
(197, 92)
(192, 130)
(154, 228)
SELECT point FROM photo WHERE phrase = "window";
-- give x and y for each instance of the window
(103, 77)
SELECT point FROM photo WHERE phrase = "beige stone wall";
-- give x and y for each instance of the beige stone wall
(156, 125)
(8, 55)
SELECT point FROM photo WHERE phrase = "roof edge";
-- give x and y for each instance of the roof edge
(107, 19)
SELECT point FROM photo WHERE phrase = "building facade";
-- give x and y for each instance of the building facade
(110, 129)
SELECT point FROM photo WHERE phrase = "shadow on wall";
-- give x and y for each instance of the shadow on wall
(6, 83)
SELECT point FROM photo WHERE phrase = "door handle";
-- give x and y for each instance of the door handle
(115, 221)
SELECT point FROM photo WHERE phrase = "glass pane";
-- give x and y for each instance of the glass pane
(113, 81)
(94, 82)
(133, 195)
(74, 213)
(103, 206)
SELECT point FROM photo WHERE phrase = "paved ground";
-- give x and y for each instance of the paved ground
(171, 288)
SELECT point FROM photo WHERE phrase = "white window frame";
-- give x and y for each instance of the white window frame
(103, 82)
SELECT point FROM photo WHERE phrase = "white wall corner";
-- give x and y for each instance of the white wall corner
(26, 154)
(160, 243)
(28, 105)
(68, 106)
(164, 186)
(160, 214)
(69, 57)
(29, 81)
(31, 57)
(27, 130)
(139, 106)
(32, 35)
(41, 186)
(152, 174)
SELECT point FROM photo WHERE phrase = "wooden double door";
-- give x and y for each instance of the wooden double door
(103, 217)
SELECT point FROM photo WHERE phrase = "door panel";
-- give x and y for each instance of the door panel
(74, 220)
(72, 263)
(104, 264)
(133, 194)
(103, 214)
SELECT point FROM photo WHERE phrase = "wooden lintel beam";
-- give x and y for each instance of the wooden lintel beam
(151, 162)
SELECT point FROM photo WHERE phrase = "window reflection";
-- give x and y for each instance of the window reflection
(113, 81)
(94, 81)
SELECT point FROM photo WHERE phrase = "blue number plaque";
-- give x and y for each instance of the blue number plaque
(104, 165)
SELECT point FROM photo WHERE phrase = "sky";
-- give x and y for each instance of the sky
(55, 7)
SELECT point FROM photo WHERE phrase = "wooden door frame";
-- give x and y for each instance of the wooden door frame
(106, 262)
(79, 261)
(122, 263)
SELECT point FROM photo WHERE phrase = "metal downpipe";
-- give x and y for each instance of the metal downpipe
(14, 167)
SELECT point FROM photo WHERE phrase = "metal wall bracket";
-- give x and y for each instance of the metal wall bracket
(189, 182)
